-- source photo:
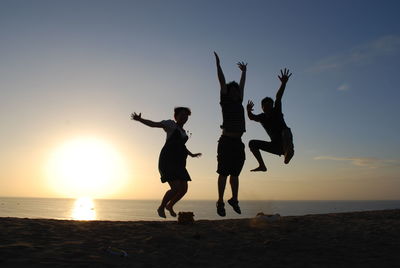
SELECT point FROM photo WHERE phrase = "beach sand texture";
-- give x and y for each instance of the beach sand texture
(358, 239)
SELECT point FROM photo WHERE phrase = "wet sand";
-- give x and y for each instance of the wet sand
(357, 239)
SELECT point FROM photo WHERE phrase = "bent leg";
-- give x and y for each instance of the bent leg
(255, 147)
(167, 197)
(181, 191)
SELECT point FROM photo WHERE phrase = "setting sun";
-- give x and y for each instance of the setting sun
(86, 167)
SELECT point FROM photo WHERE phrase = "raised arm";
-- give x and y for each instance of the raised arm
(243, 67)
(138, 117)
(221, 76)
(284, 77)
(250, 106)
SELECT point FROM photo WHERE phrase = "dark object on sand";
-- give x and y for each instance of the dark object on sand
(185, 218)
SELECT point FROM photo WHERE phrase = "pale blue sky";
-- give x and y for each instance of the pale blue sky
(73, 68)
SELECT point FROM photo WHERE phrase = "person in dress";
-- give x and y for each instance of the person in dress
(172, 160)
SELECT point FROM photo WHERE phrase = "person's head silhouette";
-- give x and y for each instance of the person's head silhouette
(267, 104)
(181, 115)
(233, 91)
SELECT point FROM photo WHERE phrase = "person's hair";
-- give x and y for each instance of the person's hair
(178, 110)
(267, 100)
(232, 85)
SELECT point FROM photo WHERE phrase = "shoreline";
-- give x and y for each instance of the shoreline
(130, 210)
(351, 239)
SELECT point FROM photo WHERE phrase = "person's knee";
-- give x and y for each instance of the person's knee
(174, 188)
(174, 191)
(184, 187)
(222, 178)
(253, 145)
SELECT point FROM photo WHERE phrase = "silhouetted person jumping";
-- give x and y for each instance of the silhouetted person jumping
(172, 161)
(231, 153)
(272, 120)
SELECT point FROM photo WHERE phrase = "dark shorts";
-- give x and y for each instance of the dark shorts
(230, 156)
(279, 145)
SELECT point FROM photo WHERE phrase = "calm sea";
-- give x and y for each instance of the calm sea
(128, 210)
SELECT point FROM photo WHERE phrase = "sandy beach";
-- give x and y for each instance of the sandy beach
(357, 239)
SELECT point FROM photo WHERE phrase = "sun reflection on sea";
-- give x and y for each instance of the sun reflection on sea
(84, 209)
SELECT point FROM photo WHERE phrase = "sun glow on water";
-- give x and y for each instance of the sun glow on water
(84, 209)
(86, 167)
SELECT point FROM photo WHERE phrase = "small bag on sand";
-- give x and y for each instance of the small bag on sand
(185, 218)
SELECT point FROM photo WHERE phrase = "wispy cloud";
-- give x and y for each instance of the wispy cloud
(369, 162)
(383, 46)
(343, 87)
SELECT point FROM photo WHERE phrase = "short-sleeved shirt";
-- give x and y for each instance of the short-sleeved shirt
(170, 126)
(274, 122)
(232, 115)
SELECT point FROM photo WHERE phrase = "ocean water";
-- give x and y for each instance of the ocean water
(134, 210)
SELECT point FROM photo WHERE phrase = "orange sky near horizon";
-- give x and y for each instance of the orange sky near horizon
(72, 72)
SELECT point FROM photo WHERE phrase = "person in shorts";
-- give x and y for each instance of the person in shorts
(272, 120)
(231, 155)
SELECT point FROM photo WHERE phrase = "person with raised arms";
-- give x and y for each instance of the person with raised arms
(230, 152)
(272, 120)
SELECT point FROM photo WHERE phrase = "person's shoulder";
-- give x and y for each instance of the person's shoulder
(261, 117)
(168, 123)
(278, 106)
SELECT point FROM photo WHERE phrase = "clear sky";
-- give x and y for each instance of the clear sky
(71, 72)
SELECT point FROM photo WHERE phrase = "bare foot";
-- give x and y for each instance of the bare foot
(260, 168)
(171, 211)
(161, 212)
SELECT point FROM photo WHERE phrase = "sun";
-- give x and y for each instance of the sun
(86, 167)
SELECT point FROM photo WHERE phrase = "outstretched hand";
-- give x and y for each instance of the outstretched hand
(250, 106)
(284, 77)
(196, 155)
(242, 66)
(136, 116)
(216, 58)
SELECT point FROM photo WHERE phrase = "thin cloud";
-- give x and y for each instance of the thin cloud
(369, 162)
(343, 87)
(384, 46)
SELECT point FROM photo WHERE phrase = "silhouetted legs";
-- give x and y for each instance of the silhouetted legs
(257, 145)
(285, 147)
(172, 196)
(221, 188)
(221, 191)
(182, 187)
(231, 157)
(234, 182)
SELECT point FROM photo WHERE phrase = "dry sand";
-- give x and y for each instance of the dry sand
(359, 239)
